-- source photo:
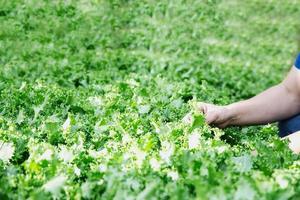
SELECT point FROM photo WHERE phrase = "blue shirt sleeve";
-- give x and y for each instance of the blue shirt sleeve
(297, 62)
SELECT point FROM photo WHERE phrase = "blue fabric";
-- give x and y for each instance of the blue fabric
(297, 62)
(289, 126)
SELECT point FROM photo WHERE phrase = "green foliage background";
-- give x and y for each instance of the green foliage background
(121, 67)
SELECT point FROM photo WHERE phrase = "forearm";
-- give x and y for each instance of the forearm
(274, 104)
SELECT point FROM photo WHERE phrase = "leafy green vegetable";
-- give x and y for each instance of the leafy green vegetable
(199, 121)
(92, 96)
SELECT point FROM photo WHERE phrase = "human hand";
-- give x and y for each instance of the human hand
(219, 116)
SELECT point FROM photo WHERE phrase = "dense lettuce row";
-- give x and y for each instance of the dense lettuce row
(93, 96)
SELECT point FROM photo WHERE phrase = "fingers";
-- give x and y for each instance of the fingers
(211, 117)
(211, 112)
(223, 125)
(202, 107)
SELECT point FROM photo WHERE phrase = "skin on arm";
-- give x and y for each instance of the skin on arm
(276, 103)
